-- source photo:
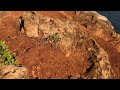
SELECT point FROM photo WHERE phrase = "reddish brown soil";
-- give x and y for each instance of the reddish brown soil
(41, 59)
(44, 61)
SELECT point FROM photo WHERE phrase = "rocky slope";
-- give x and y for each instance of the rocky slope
(62, 44)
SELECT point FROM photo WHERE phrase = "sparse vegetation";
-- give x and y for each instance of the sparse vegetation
(6, 57)
(53, 39)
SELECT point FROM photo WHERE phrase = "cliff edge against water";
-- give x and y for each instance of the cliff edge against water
(60, 45)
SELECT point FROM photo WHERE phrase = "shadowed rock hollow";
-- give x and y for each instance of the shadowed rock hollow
(62, 44)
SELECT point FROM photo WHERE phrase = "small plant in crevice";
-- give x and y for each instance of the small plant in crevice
(6, 57)
(53, 39)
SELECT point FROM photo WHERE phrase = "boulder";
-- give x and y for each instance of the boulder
(13, 72)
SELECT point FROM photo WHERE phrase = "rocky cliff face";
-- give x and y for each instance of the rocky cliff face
(63, 44)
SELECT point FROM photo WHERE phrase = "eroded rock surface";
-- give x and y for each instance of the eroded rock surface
(13, 72)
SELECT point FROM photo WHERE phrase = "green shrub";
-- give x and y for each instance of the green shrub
(6, 57)
(54, 38)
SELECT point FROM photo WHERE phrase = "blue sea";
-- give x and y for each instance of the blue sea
(114, 18)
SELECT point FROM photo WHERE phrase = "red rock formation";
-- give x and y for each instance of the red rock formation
(62, 44)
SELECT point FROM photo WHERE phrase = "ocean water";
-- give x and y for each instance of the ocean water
(114, 18)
